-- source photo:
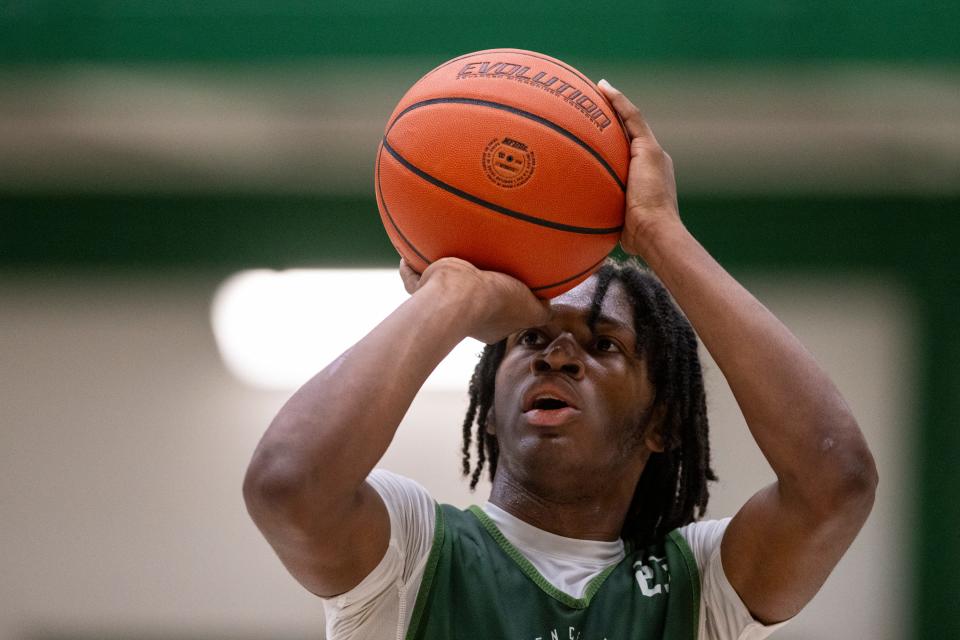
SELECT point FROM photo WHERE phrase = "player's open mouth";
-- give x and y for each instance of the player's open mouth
(548, 411)
(549, 403)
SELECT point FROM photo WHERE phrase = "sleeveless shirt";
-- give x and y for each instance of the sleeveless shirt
(478, 586)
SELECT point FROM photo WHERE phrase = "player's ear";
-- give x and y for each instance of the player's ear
(653, 438)
(490, 426)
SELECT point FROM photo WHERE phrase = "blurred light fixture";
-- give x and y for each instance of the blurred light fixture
(276, 329)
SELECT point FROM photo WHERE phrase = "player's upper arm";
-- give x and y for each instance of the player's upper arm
(779, 550)
(329, 547)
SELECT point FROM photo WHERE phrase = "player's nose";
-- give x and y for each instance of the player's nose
(560, 355)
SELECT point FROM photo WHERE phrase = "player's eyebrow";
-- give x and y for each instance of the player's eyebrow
(614, 323)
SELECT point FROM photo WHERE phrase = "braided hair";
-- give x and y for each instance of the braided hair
(672, 490)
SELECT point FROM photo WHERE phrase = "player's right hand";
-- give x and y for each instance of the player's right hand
(495, 304)
(651, 198)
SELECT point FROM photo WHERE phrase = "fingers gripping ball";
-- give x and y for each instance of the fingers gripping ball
(509, 159)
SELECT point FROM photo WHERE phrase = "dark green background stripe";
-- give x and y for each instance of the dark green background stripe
(912, 238)
(51, 31)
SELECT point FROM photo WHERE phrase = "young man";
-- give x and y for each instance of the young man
(590, 414)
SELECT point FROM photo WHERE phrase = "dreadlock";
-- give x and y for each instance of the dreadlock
(672, 490)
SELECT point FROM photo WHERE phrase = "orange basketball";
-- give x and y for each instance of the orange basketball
(509, 159)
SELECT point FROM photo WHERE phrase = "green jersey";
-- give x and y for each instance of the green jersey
(478, 586)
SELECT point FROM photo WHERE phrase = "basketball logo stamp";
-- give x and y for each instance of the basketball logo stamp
(508, 163)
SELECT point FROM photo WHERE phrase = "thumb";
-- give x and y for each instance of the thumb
(411, 279)
(540, 312)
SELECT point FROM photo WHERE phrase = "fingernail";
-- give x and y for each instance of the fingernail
(606, 84)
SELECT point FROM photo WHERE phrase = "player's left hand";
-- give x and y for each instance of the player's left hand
(651, 198)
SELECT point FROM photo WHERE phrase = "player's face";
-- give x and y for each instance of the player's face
(575, 401)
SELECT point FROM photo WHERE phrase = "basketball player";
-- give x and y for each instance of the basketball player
(590, 415)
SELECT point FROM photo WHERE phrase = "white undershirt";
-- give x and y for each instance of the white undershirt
(567, 563)
(380, 606)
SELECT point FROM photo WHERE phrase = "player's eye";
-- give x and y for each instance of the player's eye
(607, 345)
(530, 338)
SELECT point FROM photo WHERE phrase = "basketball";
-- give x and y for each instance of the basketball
(509, 159)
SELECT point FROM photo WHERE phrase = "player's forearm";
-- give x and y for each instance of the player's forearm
(793, 409)
(336, 427)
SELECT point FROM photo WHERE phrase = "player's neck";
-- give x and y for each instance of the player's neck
(581, 516)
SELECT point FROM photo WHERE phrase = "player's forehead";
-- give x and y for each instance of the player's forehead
(615, 305)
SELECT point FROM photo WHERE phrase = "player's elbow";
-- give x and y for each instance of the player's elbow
(860, 480)
(850, 478)
(271, 484)
(280, 491)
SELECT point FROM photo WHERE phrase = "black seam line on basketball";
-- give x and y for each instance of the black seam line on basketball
(557, 284)
(559, 63)
(383, 201)
(519, 112)
(559, 226)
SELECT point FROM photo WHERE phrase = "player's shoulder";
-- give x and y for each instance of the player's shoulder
(703, 538)
(724, 614)
(704, 529)
(388, 481)
(405, 498)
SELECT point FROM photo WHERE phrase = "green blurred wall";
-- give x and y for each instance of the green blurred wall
(911, 241)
